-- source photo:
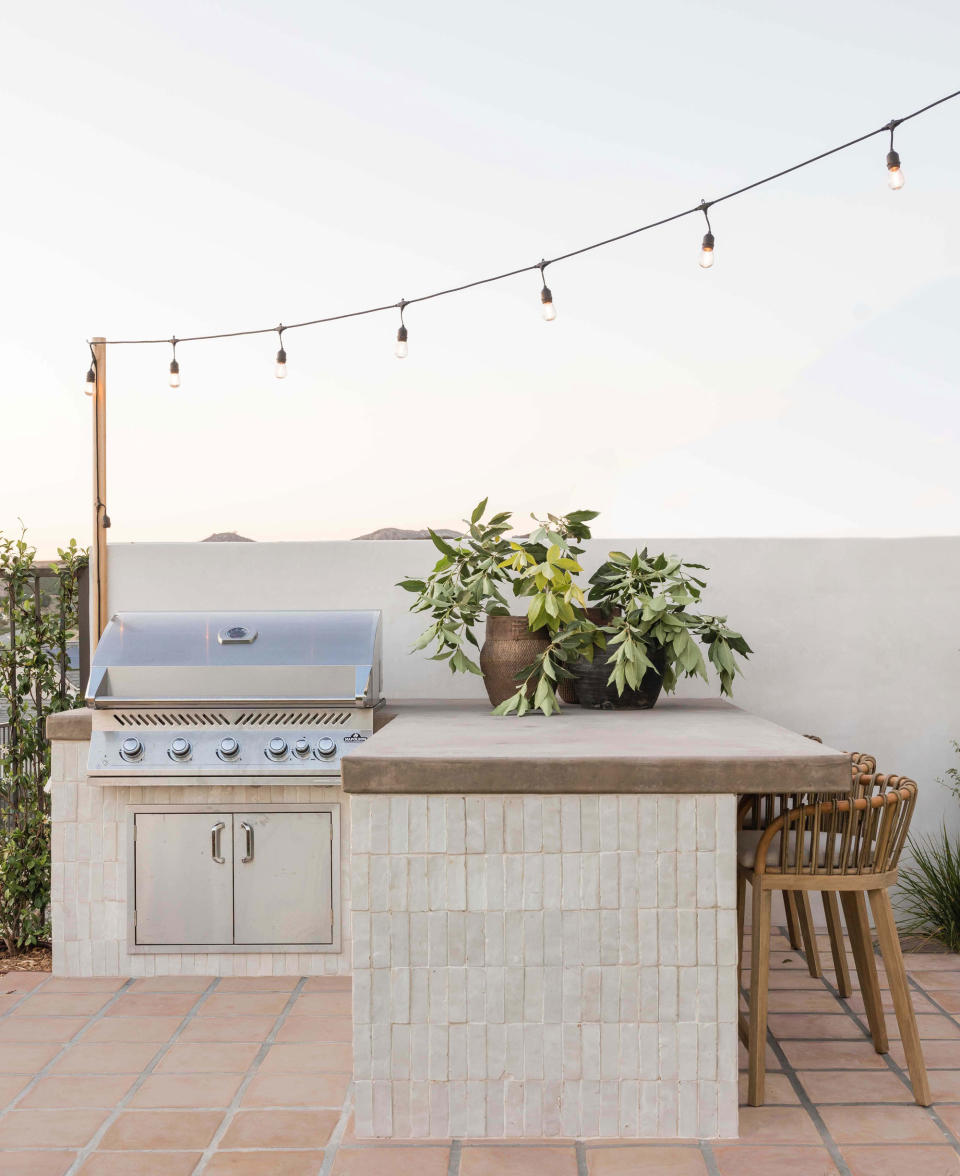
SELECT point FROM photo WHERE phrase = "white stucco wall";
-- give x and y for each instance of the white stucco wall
(856, 640)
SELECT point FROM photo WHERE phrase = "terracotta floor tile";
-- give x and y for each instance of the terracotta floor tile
(891, 1160)
(161, 1129)
(10, 1087)
(944, 1055)
(762, 1160)
(153, 1004)
(951, 1116)
(23, 981)
(36, 1029)
(920, 1003)
(328, 984)
(26, 1059)
(60, 1128)
(910, 1124)
(849, 1086)
(296, 1090)
(189, 1091)
(779, 1091)
(312, 1029)
(36, 1163)
(266, 1163)
(228, 1029)
(833, 1055)
(155, 1029)
(171, 1163)
(57, 1004)
(333, 1058)
(808, 1026)
(9, 1001)
(258, 984)
(479, 1161)
(932, 961)
(233, 1004)
(931, 1026)
(949, 981)
(777, 1125)
(324, 1004)
(195, 984)
(645, 1160)
(773, 1062)
(208, 1058)
(785, 1000)
(100, 1091)
(947, 998)
(85, 984)
(945, 1085)
(793, 978)
(273, 1128)
(101, 1057)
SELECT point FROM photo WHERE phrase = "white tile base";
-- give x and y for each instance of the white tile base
(89, 876)
(544, 966)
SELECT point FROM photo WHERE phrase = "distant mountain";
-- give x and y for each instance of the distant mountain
(399, 533)
(227, 537)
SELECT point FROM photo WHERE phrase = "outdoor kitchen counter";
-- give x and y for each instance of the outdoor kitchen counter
(679, 746)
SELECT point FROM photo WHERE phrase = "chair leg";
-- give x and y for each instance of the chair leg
(759, 983)
(831, 911)
(858, 928)
(790, 910)
(741, 915)
(902, 1004)
(805, 919)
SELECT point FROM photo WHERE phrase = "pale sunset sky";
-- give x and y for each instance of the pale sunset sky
(183, 168)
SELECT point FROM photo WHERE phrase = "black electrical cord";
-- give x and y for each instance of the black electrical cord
(704, 206)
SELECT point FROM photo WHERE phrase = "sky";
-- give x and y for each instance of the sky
(185, 168)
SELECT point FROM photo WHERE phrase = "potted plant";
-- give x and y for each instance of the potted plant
(469, 584)
(652, 637)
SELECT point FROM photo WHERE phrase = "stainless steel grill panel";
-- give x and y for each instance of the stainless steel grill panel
(258, 718)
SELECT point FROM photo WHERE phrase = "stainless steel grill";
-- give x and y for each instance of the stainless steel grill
(238, 694)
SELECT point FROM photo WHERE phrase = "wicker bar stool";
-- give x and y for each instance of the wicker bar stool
(756, 813)
(849, 847)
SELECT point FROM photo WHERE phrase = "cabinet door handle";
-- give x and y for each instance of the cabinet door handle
(248, 832)
(215, 842)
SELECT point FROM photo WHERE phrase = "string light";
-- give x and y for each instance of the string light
(546, 298)
(400, 351)
(706, 247)
(280, 371)
(174, 366)
(895, 180)
(91, 385)
(707, 258)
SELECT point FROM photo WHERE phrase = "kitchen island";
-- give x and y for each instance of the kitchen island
(544, 916)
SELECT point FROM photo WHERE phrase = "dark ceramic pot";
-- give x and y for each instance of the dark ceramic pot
(590, 679)
(509, 647)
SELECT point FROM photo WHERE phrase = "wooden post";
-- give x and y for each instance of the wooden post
(98, 549)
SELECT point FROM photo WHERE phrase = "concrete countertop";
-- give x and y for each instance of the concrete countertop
(681, 745)
(73, 725)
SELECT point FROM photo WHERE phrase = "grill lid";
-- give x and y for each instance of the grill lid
(238, 658)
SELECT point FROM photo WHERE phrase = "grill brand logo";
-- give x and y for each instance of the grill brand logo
(354, 737)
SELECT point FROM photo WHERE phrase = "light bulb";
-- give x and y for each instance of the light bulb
(174, 374)
(400, 351)
(91, 385)
(281, 369)
(895, 179)
(549, 310)
(706, 251)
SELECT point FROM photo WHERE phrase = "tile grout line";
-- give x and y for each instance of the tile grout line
(45, 1069)
(26, 996)
(122, 1103)
(581, 1154)
(949, 1137)
(706, 1150)
(337, 1134)
(231, 1110)
(453, 1164)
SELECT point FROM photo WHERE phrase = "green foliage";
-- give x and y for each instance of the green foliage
(38, 617)
(470, 582)
(929, 890)
(646, 600)
(952, 780)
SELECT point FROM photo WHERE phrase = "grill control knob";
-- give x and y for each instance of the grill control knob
(180, 748)
(131, 747)
(277, 746)
(326, 746)
(302, 747)
(228, 747)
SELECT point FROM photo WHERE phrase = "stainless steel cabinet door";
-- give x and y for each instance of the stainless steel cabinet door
(283, 877)
(184, 878)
